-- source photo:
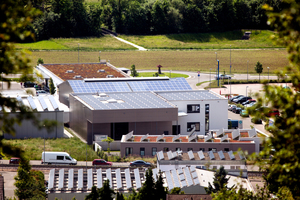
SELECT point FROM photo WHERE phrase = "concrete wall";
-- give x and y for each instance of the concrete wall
(250, 147)
(28, 130)
(64, 89)
(67, 196)
(218, 115)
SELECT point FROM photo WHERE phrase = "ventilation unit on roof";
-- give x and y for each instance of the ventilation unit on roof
(101, 70)
(69, 71)
(112, 101)
(102, 95)
(77, 76)
(110, 76)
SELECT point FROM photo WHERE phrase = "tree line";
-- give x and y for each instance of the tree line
(77, 18)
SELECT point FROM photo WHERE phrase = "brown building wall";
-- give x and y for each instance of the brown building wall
(153, 128)
(250, 147)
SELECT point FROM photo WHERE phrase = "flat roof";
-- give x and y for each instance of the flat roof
(125, 100)
(190, 95)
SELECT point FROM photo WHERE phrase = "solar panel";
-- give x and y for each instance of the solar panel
(129, 136)
(144, 137)
(31, 102)
(194, 175)
(61, 178)
(241, 154)
(80, 86)
(193, 137)
(196, 181)
(99, 178)
(191, 155)
(53, 102)
(137, 178)
(188, 176)
(155, 174)
(211, 155)
(232, 157)
(219, 132)
(160, 137)
(201, 155)
(206, 138)
(176, 137)
(19, 99)
(179, 170)
(169, 180)
(221, 155)
(192, 132)
(80, 179)
(175, 154)
(160, 155)
(175, 178)
(43, 103)
(71, 179)
(170, 155)
(192, 168)
(183, 183)
(235, 133)
(109, 177)
(128, 178)
(224, 138)
(118, 178)
(252, 132)
(51, 179)
(90, 178)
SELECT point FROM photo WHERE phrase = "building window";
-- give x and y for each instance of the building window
(191, 125)
(142, 151)
(238, 167)
(166, 149)
(154, 150)
(215, 167)
(226, 149)
(128, 151)
(178, 149)
(202, 149)
(212, 149)
(190, 149)
(206, 118)
(193, 108)
(232, 167)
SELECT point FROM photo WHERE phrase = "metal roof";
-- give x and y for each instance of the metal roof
(190, 95)
(126, 100)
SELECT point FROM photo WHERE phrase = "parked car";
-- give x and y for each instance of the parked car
(29, 84)
(222, 76)
(233, 107)
(39, 92)
(101, 162)
(244, 113)
(230, 106)
(250, 104)
(249, 101)
(241, 99)
(236, 97)
(237, 110)
(14, 161)
(140, 163)
(273, 113)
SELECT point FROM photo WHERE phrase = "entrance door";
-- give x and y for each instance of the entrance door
(175, 129)
(117, 130)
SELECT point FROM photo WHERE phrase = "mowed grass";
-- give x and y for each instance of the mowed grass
(259, 39)
(170, 74)
(202, 60)
(34, 147)
(71, 44)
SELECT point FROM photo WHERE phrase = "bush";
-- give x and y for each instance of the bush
(256, 120)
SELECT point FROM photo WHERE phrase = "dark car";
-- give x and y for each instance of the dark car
(140, 163)
(242, 99)
(237, 110)
(249, 101)
(273, 113)
(236, 97)
(14, 161)
(101, 162)
(29, 84)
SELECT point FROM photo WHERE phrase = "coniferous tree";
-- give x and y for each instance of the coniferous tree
(52, 87)
(105, 193)
(219, 183)
(133, 71)
(160, 190)
(147, 192)
(94, 195)
(259, 69)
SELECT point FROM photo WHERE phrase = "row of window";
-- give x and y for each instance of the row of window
(128, 150)
(195, 108)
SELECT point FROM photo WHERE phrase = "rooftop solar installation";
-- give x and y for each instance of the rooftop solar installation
(189, 95)
(61, 178)
(169, 180)
(128, 178)
(71, 179)
(232, 157)
(191, 155)
(137, 178)
(99, 178)
(51, 179)
(160, 155)
(179, 170)
(53, 102)
(80, 178)
(175, 178)
(211, 155)
(19, 99)
(221, 155)
(119, 178)
(188, 176)
(130, 100)
(173, 84)
(155, 174)
(201, 155)
(43, 103)
(31, 102)
(109, 177)
(241, 154)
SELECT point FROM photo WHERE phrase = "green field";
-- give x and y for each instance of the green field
(202, 60)
(168, 74)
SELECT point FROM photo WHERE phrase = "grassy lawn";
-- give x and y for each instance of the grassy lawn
(259, 39)
(34, 147)
(171, 75)
(42, 45)
(194, 60)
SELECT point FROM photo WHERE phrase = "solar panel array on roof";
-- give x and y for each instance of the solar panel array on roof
(31, 102)
(129, 136)
(191, 155)
(160, 137)
(232, 157)
(201, 155)
(137, 178)
(160, 155)
(155, 174)
(71, 179)
(170, 155)
(19, 99)
(51, 179)
(193, 137)
(174, 84)
(109, 177)
(128, 178)
(206, 138)
(189, 95)
(252, 132)
(53, 102)
(99, 178)
(80, 179)
(175, 178)
(188, 176)
(192, 168)
(219, 132)
(61, 178)
(43, 103)
(169, 180)
(235, 133)
(211, 155)
(176, 137)
(119, 178)
(144, 137)
(241, 154)
(224, 138)
(221, 155)
(90, 178)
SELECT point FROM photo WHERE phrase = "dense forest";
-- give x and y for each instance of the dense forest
(77, 18)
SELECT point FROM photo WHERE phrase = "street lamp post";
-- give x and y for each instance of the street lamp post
(268, 74)
(247, 69)
(78, 52)
(210, 78)
(246, 90)
(218, 72)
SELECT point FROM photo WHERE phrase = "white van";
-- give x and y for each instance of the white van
(58, 158)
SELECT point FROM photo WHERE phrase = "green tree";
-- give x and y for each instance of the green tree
(176, 190)
(160, 190)
(147, 192)
(40, 61)
(94, 195)
(219, 183)
(105, 193)
(29, 184)
(259, 69)
(134, 73)
(119, 196)
(52, 87)
(108, 140)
